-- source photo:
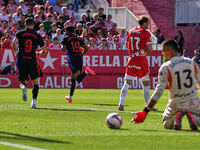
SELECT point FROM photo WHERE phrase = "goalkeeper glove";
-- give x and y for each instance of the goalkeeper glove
(141, 115)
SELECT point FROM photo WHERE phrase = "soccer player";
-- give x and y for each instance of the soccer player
(138, 43)
(74, 46)
(182, 76)
(25, 44)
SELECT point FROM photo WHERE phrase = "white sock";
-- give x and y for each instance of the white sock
(146, 93)
(22, 86)
(34, 101)
(124, 92)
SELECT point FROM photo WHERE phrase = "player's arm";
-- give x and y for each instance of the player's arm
(162, 83)
(148, 42)
(85, 49)
(149, 47)
(14, 44)
(42, 45)
(63, 47)
(42, 51)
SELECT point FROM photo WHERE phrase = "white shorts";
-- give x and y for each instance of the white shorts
(145, 78)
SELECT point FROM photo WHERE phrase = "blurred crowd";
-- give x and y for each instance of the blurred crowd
(97, 30)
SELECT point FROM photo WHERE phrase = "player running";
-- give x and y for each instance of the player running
(138, 42)
(25, 44)
(74, 46)
(182, 76)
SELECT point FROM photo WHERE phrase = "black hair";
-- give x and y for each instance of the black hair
(29, 22)
(171, 43)
(143, 19)
(69, 29)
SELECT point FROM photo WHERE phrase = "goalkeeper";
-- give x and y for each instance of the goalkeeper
(182, 76)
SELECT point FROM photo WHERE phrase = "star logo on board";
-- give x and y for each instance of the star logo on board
(48, 61)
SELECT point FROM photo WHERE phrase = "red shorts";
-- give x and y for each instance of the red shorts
(137, 66)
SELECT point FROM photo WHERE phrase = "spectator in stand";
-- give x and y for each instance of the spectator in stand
(6, 40)
(52, 13)
(88, 16)
(76, 5)
(52, 2)
(159, 36)
(46, 6)
(9, 69)
(58, 35)
(1, 5)
(109, 23)
(83, 20)
(92, 44)
(22, 6)
(11, 7)
(41, 13)
(196, 57)
(3, 27)
(10, 21)
(71, 22)
(53, 30)
(122, 37)
(21, 22)
(42, 32)
(90, 33)
(37, 23)
(98, 37)
(79, 29)
(29, 13)
(70, 9)
(101, 15)
(47, 41)
(56, 44)
(13, 30)
(17, 15)
(185, 53)
(60, 22)
(88, 26)
(65, 14)
(83, 3)
(103, 45)
(58, 7)
(47, 23)
(84, 37)
(113, 31)
(109, 40)
(95, 23)
(4, 15)
(180, 40)
(116, 45)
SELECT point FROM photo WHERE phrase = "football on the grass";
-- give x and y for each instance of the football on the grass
(114, 121)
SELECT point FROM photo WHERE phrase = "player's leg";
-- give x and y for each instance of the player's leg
(23, 78)
(35, 91)
(74, 77)
(124, 90)
(194, 121)
(84, 74)
(23, 86)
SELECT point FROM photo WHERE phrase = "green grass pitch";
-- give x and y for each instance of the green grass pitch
(58, 125)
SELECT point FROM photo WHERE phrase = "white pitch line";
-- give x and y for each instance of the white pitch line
(20, 146)
(98, 109)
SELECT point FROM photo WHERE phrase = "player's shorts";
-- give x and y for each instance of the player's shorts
(76, 64)
(28, 68)
(170, 112)
(137, 67)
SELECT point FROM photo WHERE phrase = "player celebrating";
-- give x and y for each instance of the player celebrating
(138, 43)
(183, 76)
(25, 44)
(74, 46)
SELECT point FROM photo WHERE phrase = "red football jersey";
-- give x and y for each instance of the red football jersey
(137, 40)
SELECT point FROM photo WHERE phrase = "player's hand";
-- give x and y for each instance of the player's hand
(141, 115)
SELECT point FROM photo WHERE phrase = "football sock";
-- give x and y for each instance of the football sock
(35, 91)
(124, 92)
(34, 101)
(81, 76)
(146, 93)
(73, 86)
(22, 85)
